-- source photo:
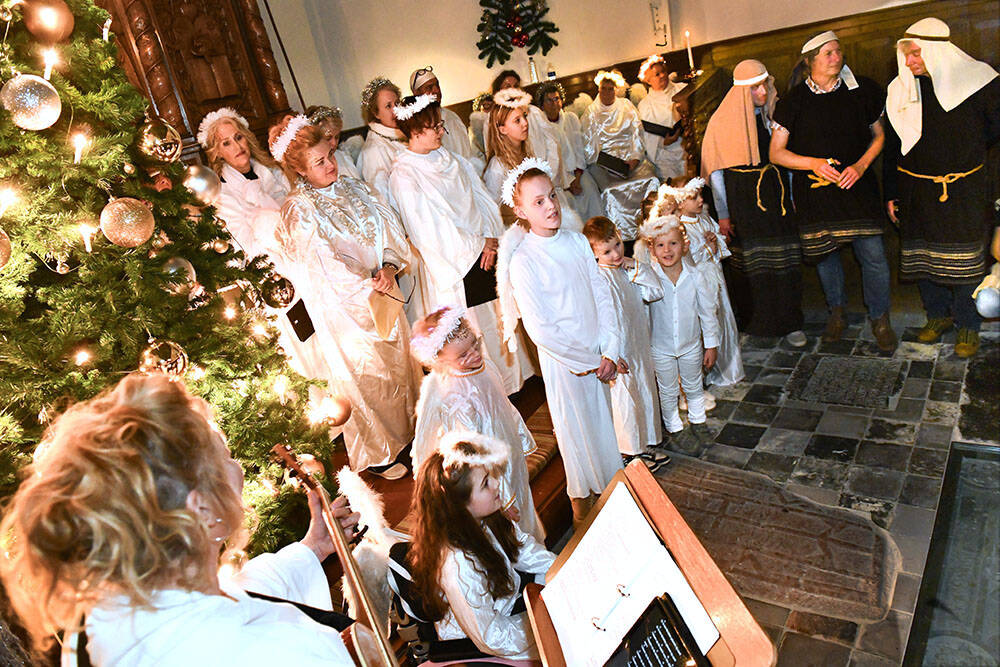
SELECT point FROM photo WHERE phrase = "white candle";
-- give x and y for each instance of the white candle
(87, 232)
(80, 142)
(687, 43)
(7, 199)
(51, 57)
(107, 29)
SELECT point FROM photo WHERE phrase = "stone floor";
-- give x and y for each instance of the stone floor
(886, 464)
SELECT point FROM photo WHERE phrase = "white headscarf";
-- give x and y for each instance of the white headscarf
(956, 76)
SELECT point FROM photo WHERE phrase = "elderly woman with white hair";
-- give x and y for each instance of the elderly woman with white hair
(828, 131)
(944, 114)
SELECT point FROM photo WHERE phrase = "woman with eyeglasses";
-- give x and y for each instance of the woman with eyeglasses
(454, 224)
(350, 245)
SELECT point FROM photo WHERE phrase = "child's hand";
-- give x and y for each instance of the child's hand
(628, 263)
(489, 255)
(512, 513)
(622, 366)
(713, 242)
(383, 281)
(711, 354)
(607, 371)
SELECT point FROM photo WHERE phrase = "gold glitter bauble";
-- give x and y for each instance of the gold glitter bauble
(32, 101)
(127, 222)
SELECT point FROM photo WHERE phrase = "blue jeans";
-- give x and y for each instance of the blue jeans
(950, 301)
(870, 253)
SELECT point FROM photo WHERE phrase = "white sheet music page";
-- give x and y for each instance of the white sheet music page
(616, 570)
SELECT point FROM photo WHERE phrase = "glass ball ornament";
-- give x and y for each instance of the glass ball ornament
(129, 169)
(181, 276)
(127, 222)
(277, 291)
(987, 301)
(203, 183)
(32, 101)
(48, 21)
(220, 246)
(158, 142)
(4, 248)
(163, 356)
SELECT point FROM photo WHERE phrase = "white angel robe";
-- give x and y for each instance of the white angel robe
(568, 312)
(456, 139)
(448, 215)
(382, 145)
(634, 402)
(340, 235)
(183, 628)
(616, 130)
(345, 164)
(251, 209)
(476, 401)
(567, 127)
(658, 107)
(728, 368)
(495, 175)
(477, 123)
(488, 621)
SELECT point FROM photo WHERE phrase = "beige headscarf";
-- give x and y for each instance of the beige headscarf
(731, 136)
(956, 76)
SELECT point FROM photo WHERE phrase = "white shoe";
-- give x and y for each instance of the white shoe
(797, 339)
(709, 402)
(395, 471)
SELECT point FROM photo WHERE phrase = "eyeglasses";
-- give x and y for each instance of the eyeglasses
(425, 70)
(439, 127)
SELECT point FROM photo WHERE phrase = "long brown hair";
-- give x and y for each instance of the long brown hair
(500, 145)
(215, 160)
(293, 161)
(444, 521)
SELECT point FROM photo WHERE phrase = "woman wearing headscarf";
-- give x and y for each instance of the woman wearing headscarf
(944, 114)
(754, 204)
(827, 130)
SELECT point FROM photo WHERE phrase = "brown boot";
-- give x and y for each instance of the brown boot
(835, 325)
(885, 337)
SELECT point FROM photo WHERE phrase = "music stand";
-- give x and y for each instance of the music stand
(742, 642)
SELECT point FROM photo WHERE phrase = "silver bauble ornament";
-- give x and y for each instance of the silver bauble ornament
(181, 275)
(164, 356)
(127, 222)
(129, 169)
(987, 301)
(203, 183)
(277, 292)
(32, 101)
(48, 21)
(220, 246)
(4, 248)
(158, 143)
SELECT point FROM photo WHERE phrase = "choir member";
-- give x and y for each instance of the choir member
(456, 136)
(665, 151)
(384, 141)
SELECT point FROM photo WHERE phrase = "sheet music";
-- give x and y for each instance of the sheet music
(616, 570)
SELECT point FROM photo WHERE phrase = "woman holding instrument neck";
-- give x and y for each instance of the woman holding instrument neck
(118, 528)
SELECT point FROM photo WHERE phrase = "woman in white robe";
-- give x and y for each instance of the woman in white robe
(550, 97)
(341, 234)
(454, 224)
(464, 392)
(508, 131)
(331, 121)
(253, 190)
(666, 153)
(384, 141)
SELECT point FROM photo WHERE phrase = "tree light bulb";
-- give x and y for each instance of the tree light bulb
(229, 313)
(81, 357)
(8, 197)
(50, 57)
(195, 372)
(281, 388)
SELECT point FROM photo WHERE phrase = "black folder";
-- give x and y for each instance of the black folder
(659, 130)
(480, 286)
(615, 165)
(302, 324)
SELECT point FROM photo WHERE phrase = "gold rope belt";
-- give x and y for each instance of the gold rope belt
(943, 180)
(760, 178)
(818, 181)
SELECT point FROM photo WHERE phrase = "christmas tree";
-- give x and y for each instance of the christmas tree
(506, 24)
(110, 264)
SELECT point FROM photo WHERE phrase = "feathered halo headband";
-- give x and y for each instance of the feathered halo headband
(649, 62)
(214, 117)
(618, 79)
(659, 226)
(512, 98)
(368, 92)
(419, 103)
(690, 189)
(284, 140)
(510, 182)
(472, 449)
(549, 87)
(426, 348)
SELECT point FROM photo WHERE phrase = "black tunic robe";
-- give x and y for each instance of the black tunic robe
(833, 125)
(944, 241)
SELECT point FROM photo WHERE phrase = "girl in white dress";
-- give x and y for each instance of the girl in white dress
(469, 562)
(708, 249)
(349, 243)
(509, 143)
(548, 279)
(454, 224)
(464, 392)
(331, 121)
(384, 140)
(665, 152)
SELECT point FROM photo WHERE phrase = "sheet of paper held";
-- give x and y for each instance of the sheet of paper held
(613, 574)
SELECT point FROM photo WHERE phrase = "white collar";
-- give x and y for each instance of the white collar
(391, 133)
